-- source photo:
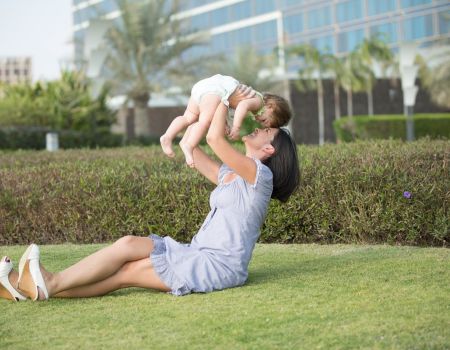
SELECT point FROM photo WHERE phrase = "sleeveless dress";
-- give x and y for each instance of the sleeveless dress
(219, 254)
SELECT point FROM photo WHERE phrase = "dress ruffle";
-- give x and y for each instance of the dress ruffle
(162, 268)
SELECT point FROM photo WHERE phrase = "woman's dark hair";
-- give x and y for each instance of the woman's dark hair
(284, 166)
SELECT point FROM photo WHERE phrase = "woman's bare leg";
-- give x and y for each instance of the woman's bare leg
(177, 125)
(100, 265)
(139, 273)
(198, 130)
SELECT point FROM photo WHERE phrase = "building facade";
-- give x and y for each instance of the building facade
(336, 26)
(333, 26)
(15, 70)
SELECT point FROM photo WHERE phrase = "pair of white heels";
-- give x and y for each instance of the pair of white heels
(30, 276)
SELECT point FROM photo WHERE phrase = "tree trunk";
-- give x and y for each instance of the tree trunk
(141, 118)
(337, 102)
(349, 103)
(321, 113)
(370, 101)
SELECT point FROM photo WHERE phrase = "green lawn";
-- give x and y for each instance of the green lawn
(297, 297)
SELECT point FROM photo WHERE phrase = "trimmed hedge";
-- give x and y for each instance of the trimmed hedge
(434, 126)
(14, 138)
(350, 193)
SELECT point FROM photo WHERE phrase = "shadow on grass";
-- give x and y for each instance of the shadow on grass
(275, 270)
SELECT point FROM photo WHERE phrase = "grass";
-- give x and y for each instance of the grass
(297, 297)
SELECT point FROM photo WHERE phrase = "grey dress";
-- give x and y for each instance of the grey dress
(219, 254)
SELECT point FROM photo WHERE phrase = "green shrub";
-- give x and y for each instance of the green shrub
(434, 126)
(64, 104)
(349, 193)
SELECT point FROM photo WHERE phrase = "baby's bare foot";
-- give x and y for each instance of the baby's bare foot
(166, 145)
(187, 150)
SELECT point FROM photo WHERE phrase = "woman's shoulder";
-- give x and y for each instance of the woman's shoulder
(263, 172)
(263, 177)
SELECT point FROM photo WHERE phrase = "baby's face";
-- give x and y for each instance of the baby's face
(265, 119)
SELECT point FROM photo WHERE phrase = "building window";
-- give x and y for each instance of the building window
(324, 44)
(77, 18)
(196, 3)
(241, 37)
(264, 6)
(107, 6)
(386, 32)
(418, 27)
(265, 31)
(201, 21)
(410, 3)
(349, 10)
(241, 10)
(218, 17)
(265, 50)
(347, 41)
(289, 3)
(88, 13)
(293, 24)
(444, 22)
(220, 42)
(319, 17)
(376, 7)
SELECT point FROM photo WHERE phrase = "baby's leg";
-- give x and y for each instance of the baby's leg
(178, 124)
(197, 131)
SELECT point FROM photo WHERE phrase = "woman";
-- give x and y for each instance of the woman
(218, 255)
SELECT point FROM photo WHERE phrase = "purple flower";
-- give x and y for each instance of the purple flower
(407, 194)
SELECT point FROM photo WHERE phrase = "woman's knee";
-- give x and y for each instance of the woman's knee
(133, 247)
(125, 242)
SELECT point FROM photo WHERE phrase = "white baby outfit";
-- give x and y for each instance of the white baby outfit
(220, 85)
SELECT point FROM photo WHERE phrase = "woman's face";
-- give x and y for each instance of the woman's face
(259, 138)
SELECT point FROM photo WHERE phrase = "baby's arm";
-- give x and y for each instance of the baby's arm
(243, 107)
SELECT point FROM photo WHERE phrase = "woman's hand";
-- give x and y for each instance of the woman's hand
(242, 92)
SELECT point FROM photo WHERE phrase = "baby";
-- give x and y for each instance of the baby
(206, 95)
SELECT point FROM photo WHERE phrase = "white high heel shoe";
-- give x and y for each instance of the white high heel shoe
(30, 275)
(7, 291)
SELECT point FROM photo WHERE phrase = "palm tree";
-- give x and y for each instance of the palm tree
(436, 79)
(315, 65)
(143, 52)
(371, 51)
(352, 78)
(337, 69)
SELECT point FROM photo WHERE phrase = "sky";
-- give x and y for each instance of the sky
(41, 29)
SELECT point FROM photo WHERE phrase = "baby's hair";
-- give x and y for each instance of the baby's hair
(281, 110)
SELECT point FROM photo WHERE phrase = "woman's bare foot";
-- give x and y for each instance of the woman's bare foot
(166, 145)
(188, 154)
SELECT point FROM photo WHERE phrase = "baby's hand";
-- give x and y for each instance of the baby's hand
(234, 133)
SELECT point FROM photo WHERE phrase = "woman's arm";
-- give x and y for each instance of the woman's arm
(243, 107)
(206, 166)
(241, 164)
